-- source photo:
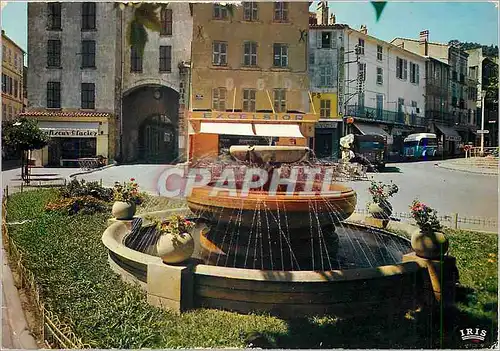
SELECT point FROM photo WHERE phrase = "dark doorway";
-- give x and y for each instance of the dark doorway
(157, 140)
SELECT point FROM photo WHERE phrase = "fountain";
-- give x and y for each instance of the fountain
(279, 247)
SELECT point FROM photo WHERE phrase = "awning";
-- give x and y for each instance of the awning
(278, 130)
(226, 128)
(67, 129)
(369, 129)
(450, 134)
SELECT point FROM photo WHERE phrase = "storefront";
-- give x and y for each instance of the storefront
(327, 138)
(448, 139)
(86, 135)
(212, 133)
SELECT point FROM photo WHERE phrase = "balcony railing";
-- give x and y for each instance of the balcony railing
(385, 116)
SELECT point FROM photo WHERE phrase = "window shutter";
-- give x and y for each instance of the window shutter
(318, 39)
(418, 74)
(405, 69)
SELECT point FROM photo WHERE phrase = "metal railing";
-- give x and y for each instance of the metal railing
(393, 117)
(488, 151)
(54, 333)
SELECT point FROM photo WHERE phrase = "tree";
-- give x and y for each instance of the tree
(23, 135)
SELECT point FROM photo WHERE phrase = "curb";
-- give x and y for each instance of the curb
(484, 171)
(71, 176)
(20, 335)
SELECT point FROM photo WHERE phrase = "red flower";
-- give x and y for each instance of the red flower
(132, 179)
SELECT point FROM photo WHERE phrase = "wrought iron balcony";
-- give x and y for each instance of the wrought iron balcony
(384, 116)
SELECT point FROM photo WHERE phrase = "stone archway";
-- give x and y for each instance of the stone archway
(150, 125)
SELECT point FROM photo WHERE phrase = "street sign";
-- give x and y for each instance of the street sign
(484, 131)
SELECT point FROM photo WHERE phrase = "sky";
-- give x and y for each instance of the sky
(465, 21)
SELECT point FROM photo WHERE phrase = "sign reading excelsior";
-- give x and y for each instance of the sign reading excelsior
(71, 133)
(253, 116)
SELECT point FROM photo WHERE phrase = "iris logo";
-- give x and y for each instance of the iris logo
(475, 335)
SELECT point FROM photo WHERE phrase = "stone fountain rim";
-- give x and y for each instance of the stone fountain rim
(113, 236)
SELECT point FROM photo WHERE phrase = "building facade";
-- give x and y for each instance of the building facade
(249, 76)
(481, 71)
(325, 52)
(12, 79)
(93, 93)
(454, 129)
(384, 88)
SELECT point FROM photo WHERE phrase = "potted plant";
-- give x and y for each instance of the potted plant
(380, 207)
(175, 243)
(127, 197)
(429, 242)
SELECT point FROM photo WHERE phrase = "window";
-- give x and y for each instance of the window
(250, 54)
(10, 86)
(250, 11)
(361, 101)
(249, 100)
(135, 60)
(88, 53)
(54, 16)
(326, 40)
(15, 60)
(54, 53)
(19, 90)
(219, 99)
(379, 52)
(88, 16)
(414, 73)
(280, 54)
(219, 56)
(361, 46)
(280, 12)
(165, 58)
(4, 53)
(166, 22)
(401, 68)
(16, 91)
(401, 103)
(325, 110)
(53, 94)
(4, 83)
(380, 75)
(9, 55)
(326, 76)
(220, 12)
(414, 107)
(88, 95)
(279, 100)
(361, 72)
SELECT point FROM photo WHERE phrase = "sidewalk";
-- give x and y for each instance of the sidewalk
(463, 165)
(15, 331)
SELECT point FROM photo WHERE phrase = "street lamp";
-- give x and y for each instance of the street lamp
(483, 96)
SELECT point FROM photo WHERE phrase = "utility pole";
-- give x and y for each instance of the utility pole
(359, 81)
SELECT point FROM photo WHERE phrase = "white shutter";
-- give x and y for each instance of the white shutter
(418, 74)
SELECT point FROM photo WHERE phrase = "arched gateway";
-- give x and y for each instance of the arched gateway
(150, 125)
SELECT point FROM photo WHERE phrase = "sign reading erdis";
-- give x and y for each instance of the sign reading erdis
(71, 133)
(214, 115)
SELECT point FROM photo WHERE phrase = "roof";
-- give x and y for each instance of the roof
(4, 36)
(418, 41)
(60, 113)
(329, 26)
(436, 59)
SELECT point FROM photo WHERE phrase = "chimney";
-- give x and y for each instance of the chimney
(332, 19)
(424, 43)
(364, 29)
(322, 12)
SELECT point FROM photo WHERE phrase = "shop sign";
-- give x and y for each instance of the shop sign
(322, 125)
(452, 138)
(252, 116)
(71, 133)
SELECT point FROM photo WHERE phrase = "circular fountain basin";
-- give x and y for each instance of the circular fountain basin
(269, 154)
(359, 286)
(220, 205)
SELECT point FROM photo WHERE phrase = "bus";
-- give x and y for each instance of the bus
(420, 145)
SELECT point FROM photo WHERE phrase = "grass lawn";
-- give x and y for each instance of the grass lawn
(70, 265)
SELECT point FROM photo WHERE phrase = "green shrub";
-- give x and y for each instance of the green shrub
(77, 188)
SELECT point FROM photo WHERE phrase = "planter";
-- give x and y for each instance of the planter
(380, 210)
(429, 245)
(123, 210)
(175, 248)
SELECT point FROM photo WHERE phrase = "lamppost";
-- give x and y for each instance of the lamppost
(483, 97)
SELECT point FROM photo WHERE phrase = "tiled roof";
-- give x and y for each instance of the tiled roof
(328, 26)
(417, 40)
(56, 113)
